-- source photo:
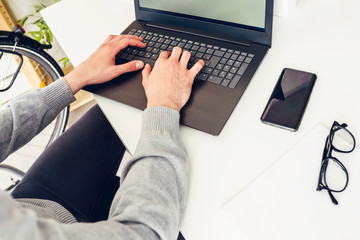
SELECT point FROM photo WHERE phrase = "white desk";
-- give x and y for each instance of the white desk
(320, 36)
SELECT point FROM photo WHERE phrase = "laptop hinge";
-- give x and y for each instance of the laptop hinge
(183, 30)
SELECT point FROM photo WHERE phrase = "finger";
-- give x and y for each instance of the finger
(146, 72)
(176, 52)
(196, 68)
(130, 66)
(185, 58)
(164, 54)
(122, 36)
(127, 42)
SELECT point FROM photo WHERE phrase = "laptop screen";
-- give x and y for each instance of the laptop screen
(247, 13)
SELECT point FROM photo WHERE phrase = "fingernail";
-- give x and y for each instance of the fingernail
(139, 64)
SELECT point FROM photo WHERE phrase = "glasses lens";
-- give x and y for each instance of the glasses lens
(343, 140)
(8, 68)
(335, 177)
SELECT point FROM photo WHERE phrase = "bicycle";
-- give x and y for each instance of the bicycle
(17, 50)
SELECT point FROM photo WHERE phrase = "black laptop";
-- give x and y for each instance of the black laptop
(232, 37)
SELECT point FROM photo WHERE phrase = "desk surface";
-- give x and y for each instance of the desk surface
(318, 36)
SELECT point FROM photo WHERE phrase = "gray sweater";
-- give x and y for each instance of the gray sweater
(150, 202)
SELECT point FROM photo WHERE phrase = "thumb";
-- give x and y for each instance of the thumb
(146, 72)
(130, 66)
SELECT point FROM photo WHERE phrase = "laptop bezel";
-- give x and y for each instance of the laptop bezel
(262, 36)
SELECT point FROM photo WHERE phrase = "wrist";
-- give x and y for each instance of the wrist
(163, 104)
(74, 82)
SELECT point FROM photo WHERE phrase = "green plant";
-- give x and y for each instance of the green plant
(43, 35)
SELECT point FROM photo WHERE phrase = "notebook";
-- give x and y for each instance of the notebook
(283, 203)
(232, 37)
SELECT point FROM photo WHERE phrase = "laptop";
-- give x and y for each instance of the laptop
(232, 37)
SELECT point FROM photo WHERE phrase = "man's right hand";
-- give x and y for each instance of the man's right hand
(169, 83)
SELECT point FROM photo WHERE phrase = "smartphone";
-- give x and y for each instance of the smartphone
(289, 99)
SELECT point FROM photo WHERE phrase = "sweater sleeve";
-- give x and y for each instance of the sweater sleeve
(26, 116)
(149, 204)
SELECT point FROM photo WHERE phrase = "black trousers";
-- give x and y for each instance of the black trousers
(78, 170)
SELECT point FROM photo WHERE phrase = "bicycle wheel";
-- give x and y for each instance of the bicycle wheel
(15, 73)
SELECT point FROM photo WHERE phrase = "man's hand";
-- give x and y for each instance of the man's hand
(100, 66)
(169, 83)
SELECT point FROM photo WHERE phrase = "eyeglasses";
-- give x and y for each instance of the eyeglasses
(333, 175)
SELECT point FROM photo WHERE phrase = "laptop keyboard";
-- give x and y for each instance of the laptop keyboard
(223, 66)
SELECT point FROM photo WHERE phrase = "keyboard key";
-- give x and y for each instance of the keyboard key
(203, 76)
(241, 58)
(206, 70)
(234, 56)
(235, 81)
(214, 61)
(174, 43)
(222, 74)
(229, 76)
(130, 57)
(195, 48)
(219, 53)
(154, 56)
(248, 60)
(233, 69)
(213, 79)
(225, 83)
(206, 56)
(223, 61)
(237, 64)
(147, 55)
(123, 55)
(128, 50)
(202, 49)
(242, 68)
(148, 49)
(227, 55)
(219, 66)
(210, 51)
(226, 68)
(199, 55)
(230, 62)
(215, 72)
(155, 50)
(135, 51)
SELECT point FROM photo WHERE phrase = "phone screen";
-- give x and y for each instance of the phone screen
(289, 99)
